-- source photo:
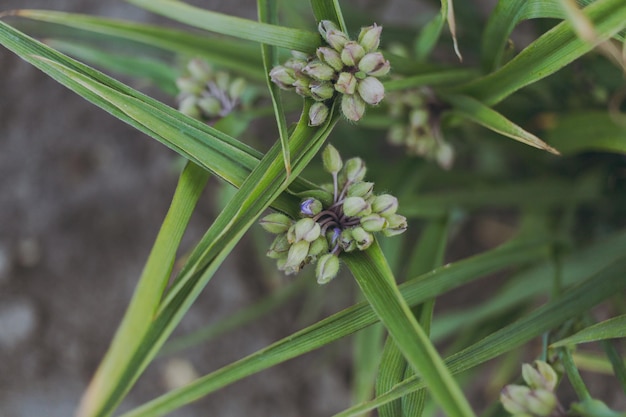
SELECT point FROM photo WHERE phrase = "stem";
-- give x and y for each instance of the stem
(574, 376)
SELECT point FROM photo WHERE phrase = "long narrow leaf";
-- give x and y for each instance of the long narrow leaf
(613, 328)
(329, 10)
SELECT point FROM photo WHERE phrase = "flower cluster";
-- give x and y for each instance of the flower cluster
(207, 94)
(417, 126)
(345, 67)
(342, 218)
(537, 398)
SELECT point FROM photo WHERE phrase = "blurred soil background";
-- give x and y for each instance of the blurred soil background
(82, 196)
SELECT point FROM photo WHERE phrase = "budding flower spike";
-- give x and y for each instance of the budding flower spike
(344, 69)
(537, 398)
(344, 222)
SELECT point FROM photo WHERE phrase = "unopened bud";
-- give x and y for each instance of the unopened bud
(318, 246)
(321, 90)
(362, 238)
(332, 35)
(310, 207)
(540, 376)
(354, 170)
(397, 134)
(397, 225)
(318, 70)
(371, 90)
(418, 118)
(330, 57)
(276, 223)
(374, 64)
(346, 241)
(352, 107)
(346, 83)
(356, 207)
(352, 53)
(210, 105)
(385, 205)
(199, 69)
(189, 85)
(296, 256)
(331, 159)
(283, 77)
(306, 229)
(279, 247)
(445, 155)
(188, 106)
(302, 86)
(222, 80)
(541, 402)
(513, 399)
(296, 64)
(327, 268)
(369, 37)
(361, 189)
(318, 113)
(373, 223)
(237, 87)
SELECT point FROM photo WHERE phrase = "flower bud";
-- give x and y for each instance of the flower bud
(397, 134)
(296, 64)
(222, 80)
(352, 107)
(513, 399)
(189, 85)
(302, 86)
(327, 268)
(373, 223)
(199, 69)
(318, 70)
(332, 160)
(318, 113)
(369, 37)
(374, 64)
(360, 189)
(237, 88)
(188, 106)
(385, 205)
(397, 225)
(541, 402)
(445, 155)
(276, 223)
(346, 83)
(354, 170)
(333, 236)
(279, 247)
(418, 118)
(283, 77)
(351, 53)
(362, 238)
(318, 246)
(356, 207)
(371, 90)
(330, 57)
(310, 207)
(332, 35)
(296, 256)
(306, 229)
(540, 376)
(322, 90)
(210, 105)
(346, 241)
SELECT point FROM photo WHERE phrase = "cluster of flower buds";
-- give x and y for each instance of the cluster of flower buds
(537, 398)
(342, 218)
(207, 94)
(345, 67)
(417, 126)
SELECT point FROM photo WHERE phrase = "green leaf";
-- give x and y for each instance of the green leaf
(430, 34)
(476, 111)
(329, 10)
(238, 27)
(613, 328)
(587, 131)
(551, 52)
(378, 285)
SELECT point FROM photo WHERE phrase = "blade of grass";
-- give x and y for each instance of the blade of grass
(345, 323)
(378, 285)
(591, 130)
(551, 52)
(268, 13)
(594, 290)
(329, 10)
(238, 27)
(430, 34)
(609, 329)
(475, 111)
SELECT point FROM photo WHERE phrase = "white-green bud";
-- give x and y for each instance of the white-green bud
(371, 90)
(352, 53)
(276, 223)
(199, 69)
(356, 207)
(237, 88)
(222, 80)
(397, 134)
(369, 37)
(306, 229)
(346, 83)
(332, 160)
(283, 77)
(302, 86)
(332, 35)
(445, 155)
(210, 105)
(330, 57)
(385, 205)
(189, 106)
(318, 113)
(373, 223)
(318, 70)
(321, 90)
(362, 238)
(361, 189)
(352, 107)
(541, 402)
(540, 376)
(318, 246)
(189, 85)
(513, 399)
(374, 64)
(279, 247)
(327, 268)
(354, 170)
(346, 241)
(310, 207)
(396, 225)
(296, 64)
(418, 118)
(296, 256)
